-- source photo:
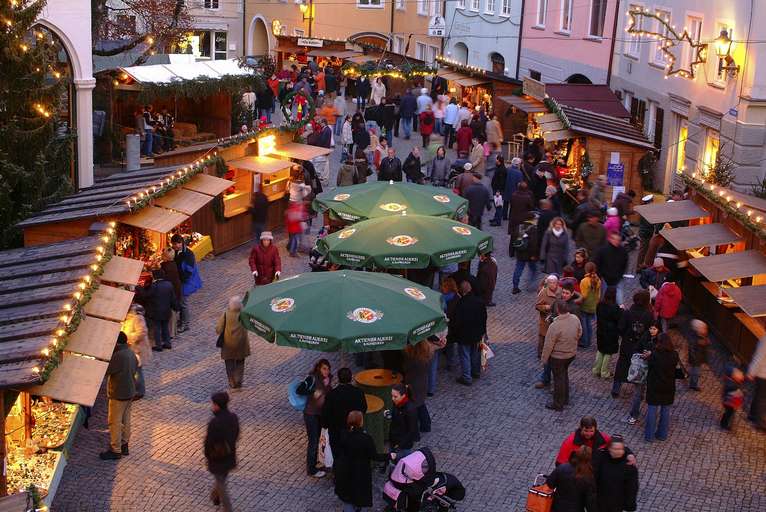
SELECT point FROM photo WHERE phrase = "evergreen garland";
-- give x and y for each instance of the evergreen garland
(201, 87)
(220, 170)
(306, 117)
(554, 108)
(371, 68)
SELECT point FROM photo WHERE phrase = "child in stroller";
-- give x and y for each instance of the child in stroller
(415, 486)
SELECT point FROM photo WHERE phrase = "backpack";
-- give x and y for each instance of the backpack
(298, 400)
(638, 369)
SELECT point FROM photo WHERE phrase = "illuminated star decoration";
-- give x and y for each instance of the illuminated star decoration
(668, 41)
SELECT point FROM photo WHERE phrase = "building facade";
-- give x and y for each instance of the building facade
(399, 25)
(567, 40)
(691, 118)
(484, 33)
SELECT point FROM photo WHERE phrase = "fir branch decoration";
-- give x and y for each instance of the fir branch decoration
(201, 87)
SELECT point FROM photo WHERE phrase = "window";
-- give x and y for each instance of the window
(490, 7)
(460, 4)
(400, 5)
(720, 73)
(535, 75)
(433, 51)
(633, 43)
(566, 15)
(683, 134)
(211, 4)
(435, 8)
(498, 63)
(597, 18)
(694, 26)
(627, 99)
(220, 46)
(475, 5)
(423, 7)
(542, 8)
(637, 112)
(505, 8)
(659, 55)
(420, 51)
(370, 4)
(659, 126)
(712, 145)
(398, 44)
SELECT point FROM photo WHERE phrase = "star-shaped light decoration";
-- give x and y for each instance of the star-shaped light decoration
(668, 41)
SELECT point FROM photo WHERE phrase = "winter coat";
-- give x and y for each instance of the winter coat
(668, 300)
(575, 440)
(624, 204)
(661, 377)
(479, 198)
(353, 468)
(463, 137)
(440, 169)
(652, 276)
(544, 221)
(161, 300)
(347, 175)
(590, 289)
(378, 92)
(390, 169)
(314, 387)
(221, 442)
(572, 494)
(698, 349)
(265, 261)
(470, 320)
(612, 224)
(487, 276)
(185, 262)
(477, 158)
(512, 180)
(404, 426)
(608, 328)
(562, 337)
(616, 482)
(411, 168)
(498, 179)
(363, 87)
(236, 344)
(450, 303)
(494, 132)
(416, 375)
(121, 384)
(522, 203)
(590, 237)
(347, 134)
(408, 106)
(427, 122)
(554, 250)
(611, 262)
(171, 274)
(633, 324)
(340, 401)
(545, 298)
(463, 181)
(528, 251)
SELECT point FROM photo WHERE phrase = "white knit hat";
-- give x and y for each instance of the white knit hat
(612, 211)
(266, 235)
(467, 166)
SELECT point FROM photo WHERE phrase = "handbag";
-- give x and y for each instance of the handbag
(540, 496)
(486, 354)
(220, 340)
(681, 372)
(638, 369)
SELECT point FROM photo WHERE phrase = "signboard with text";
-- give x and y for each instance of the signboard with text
(533, 88)
(615, 174)
(437, 27)
(314, 43)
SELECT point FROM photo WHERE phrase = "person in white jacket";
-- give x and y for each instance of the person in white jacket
(378, 91)
(340, 114)
(757, 373)
(347, 136)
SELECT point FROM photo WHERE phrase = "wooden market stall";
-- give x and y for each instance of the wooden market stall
(260, 173)
(59, 320)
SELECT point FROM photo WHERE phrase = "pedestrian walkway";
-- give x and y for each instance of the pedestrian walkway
(495, 436)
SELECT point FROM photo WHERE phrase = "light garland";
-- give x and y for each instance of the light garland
(459, 66)
(667, 41)
(372, 70)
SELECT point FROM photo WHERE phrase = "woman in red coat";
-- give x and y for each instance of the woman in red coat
(464, 137)
(667, 302)
(427, 122)
(264, 260)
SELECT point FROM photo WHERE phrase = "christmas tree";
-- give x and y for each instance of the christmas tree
(35, 150)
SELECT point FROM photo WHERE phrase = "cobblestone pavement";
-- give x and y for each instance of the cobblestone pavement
(495, 435)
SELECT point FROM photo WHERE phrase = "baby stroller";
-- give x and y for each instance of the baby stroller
(629, 239)
(415, 486)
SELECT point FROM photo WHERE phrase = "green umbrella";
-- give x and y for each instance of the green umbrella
(382, 198)
(405, 241)
(345, 311)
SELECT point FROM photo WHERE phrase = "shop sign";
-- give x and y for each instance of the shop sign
(533, 88)
(437, 26)
(314, 43)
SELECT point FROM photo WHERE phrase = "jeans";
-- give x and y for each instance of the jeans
(313, 430)
(545, 374)
(161, 333)
(470, 361)
(361, 102)
(424, 419)
(407, 127)
(184, 316)
(438, 126)
(586, 319)
(235, 371)
(293, 243)
(220, 491)
(498, 218)
(449, 135)
(339, 126)
(616, 386)
(758, 406)
(620, 290)
(426, 140)
(638, 397)
(665, 324)
(560, 370)
(727, 418)
(258, 228)
(265, 112)
(519, 269)
(651, 422)
(433, 369)
(348, 507)
(694, 376)
(148, 142)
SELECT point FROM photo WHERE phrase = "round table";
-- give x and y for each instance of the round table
(374, 421)
(378, 382)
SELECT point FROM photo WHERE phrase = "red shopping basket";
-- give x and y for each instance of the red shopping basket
(540, 497)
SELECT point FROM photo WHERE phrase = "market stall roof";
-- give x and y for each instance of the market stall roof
(703, 235)
(260, 164)
(300, 151)
(752, 299)
(109, 303)
(185, 201)
(361, 59)
(154, 218)
(122, 270)
(168, 73)
(461, 78)
(340, 54)
(526, 104)
(94, 337)
(604, 126)
(670, 211)
(76, 380)
(733, 265)
(596, 98)
(208, 185)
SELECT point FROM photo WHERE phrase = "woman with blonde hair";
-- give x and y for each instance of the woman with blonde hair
(135, 329)
(233, 342)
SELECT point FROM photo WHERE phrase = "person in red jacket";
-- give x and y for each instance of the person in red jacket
(295, 221)
(427, 122)
(264, 260)
(587, 435)
(666, 303)
(464, 137)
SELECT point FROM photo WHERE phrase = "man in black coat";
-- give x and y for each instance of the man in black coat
(160, 300)
(343, 399)
(612, 261)
(498, 186)
(408, 106)
(390, 167)
(479, 198)
(221, 448)
(330, 82)
(547, 214)
(412, 167)
(470, 327)
(186, 262)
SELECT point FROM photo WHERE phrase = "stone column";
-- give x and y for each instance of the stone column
(84, 126)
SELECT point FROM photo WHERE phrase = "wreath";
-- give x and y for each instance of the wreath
(287, 109)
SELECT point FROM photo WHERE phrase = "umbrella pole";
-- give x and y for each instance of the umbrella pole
(342, 360)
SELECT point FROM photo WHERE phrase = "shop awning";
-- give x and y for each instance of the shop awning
(704, 235)
(184, 201)
(94, 337)
(734, 265)
(76, 380)
(461, 79)
(155, 219)
(671, 211)
(604, 126)
(300, 151)
(122, 270)
(361, 59)
(752, 299)
(339, 54)
(260, 164)
(167, 73)
(206, 184)
(109, 303)
(526, 104)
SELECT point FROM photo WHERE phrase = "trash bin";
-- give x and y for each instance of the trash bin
(374, 421)
(378, 382)
(132, 152)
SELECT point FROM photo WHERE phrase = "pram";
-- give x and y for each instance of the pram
(415, 486)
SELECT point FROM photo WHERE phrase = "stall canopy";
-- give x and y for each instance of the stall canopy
(183, 201)
(261, 164)
(461, 78)
(735, 265)
(155, 219)
(671, 211)
(168, 73)
(208, 185)
(595, 98)
(339, 54)
(76, 380)
(752, 299)
(604, 126)
(300, 151)
(524, 103)
(704, 235)
(109, 303)
(95, 337)
(121, 270)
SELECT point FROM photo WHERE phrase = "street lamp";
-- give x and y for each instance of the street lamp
(307, 9)
(723, 50)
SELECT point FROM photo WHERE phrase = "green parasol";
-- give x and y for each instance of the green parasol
(382, 198)
(345, 311)
(405, 241)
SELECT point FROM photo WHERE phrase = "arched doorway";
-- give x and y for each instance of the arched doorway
(258, 38)
(460, 53)
(578, 78)
(498, 63)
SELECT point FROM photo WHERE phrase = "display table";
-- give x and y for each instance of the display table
(378, 382)
(374, 421)
(203, 247)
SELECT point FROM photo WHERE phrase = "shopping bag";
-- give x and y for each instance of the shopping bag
(486, 354)
(540, 496)
(325, 452)
(638, 369)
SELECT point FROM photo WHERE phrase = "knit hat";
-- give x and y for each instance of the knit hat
(467, 166)
(658, 262)
(266, 235)
(648, 198)
(423, 91)
(221, 399)
(612, 211)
